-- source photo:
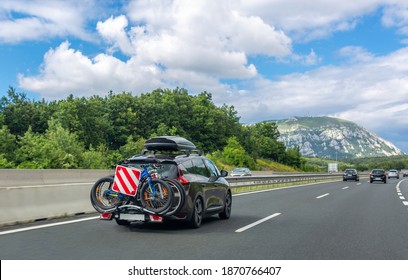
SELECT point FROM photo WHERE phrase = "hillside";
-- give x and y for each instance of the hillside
(331, 137)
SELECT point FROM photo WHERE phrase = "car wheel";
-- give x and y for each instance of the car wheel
(197, 217)
(371, 181)
(227, 207)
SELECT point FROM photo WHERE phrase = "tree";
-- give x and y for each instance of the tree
(234, 154)
(57, 148)
(7, 144)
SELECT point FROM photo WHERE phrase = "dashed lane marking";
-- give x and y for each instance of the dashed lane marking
(323, 195)
(257, 222)
(345, 188)
(400, 193)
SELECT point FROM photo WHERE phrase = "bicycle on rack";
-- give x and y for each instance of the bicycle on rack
(150, 195)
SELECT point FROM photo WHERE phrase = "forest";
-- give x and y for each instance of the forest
(96, 132)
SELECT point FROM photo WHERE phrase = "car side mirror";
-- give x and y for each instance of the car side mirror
(224, 173)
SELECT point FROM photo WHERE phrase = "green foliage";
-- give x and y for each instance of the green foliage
(132, 147)
(64, 133)
(4, 163)
(7, 143)
(235, 154)
(57, 148)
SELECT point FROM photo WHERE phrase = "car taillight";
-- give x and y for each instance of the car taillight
(182, 180)
(105, 216)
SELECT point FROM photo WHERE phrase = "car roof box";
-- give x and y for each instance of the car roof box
(169, 143)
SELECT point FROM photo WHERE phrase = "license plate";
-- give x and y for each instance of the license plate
(132, 217)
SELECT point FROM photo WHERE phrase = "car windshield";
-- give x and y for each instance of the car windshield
(378, 171)
(240, 170)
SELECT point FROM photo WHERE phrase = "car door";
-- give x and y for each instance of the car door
(217, 186)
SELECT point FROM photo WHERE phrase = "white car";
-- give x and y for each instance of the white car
(393, 173)
(239, 172)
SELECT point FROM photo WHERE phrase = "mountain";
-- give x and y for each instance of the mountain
(333, 138)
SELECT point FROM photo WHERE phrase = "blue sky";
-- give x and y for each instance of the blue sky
(270, 59)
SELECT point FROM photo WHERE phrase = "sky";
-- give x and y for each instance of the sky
(270, 59)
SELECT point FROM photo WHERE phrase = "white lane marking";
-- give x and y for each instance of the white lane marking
(400, 193)
(45, 186)
(358, 184)
(345, 188)
(47, 225)
(323, 195)
(257, 222)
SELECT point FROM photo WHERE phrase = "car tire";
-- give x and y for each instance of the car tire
(371, 181)
(227, 207)
(198, 213)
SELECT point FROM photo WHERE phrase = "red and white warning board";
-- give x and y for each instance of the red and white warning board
(126, 180)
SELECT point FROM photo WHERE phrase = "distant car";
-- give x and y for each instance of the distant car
(239, 172)
(378, 175)
(350, 174)
(392, 173)
(405, 174)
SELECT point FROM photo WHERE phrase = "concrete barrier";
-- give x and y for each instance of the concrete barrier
(29, 195)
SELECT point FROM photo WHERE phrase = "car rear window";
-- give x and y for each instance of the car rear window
(165, 169)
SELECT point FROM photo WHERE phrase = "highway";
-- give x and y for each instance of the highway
(325, 221)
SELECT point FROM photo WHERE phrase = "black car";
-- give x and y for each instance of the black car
(378, 175)
(204, 190)
(350, 174)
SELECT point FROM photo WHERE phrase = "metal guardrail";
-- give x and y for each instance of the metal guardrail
(274, 181)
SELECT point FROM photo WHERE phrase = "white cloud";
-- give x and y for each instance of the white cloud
(68, 71)
(23, 20)
(371, 92)
(113, 31)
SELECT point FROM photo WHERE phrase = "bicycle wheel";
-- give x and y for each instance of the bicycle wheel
(179, 195)
(102, 197)
(156, 196)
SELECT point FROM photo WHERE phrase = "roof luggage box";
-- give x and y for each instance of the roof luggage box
(169, 143)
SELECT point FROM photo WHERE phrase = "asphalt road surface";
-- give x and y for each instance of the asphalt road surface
(327, 221)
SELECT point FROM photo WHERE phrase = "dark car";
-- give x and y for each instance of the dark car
(206, 192)
(350, 174)
(378, 175)
(242, 171)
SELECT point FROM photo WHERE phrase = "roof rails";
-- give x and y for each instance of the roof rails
(189, 152)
